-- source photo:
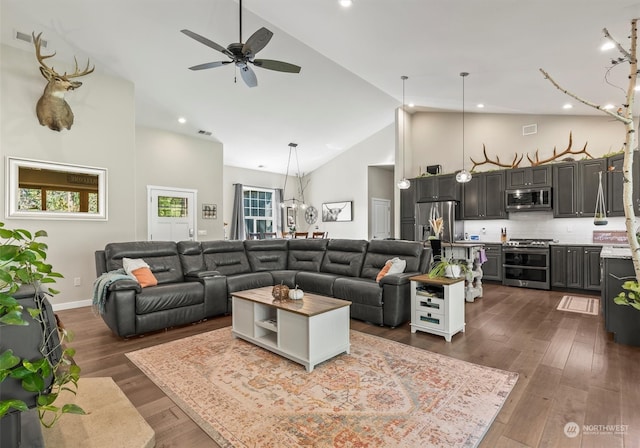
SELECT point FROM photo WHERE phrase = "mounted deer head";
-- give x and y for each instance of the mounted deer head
(52, 110)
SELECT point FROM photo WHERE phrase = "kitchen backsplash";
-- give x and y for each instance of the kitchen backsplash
(540, 225)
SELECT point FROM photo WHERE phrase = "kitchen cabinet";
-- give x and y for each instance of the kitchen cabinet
(483, 196)
(575, 267)
(442, 187)
(492, 268)
(575, 188)
(615, 184)
(529, 177)
(623, 321)
(408, 212)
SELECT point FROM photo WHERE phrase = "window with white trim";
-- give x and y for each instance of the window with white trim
(258, 209)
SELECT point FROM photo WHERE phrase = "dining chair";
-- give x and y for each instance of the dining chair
(319, 235)
(301, 235)
(269, 235)
(253, 236)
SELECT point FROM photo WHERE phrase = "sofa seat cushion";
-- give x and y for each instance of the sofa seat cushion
(252, 280)
(170, 296)
(316, 282)
(358, 290)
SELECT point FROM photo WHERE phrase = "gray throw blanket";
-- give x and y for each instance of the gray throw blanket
(101, 287)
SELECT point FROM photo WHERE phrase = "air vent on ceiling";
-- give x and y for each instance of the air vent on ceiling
(26, 37)
(202, 132)
(529, 129)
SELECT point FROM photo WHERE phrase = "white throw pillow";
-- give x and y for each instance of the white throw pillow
(131, 264)
(397, 266)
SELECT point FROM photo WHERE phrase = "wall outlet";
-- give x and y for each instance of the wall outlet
(202, 232)
(77, 281)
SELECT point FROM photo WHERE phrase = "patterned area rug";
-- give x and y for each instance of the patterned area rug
(579, 304)
(384, 394)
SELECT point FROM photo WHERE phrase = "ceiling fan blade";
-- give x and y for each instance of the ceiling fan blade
(248, 75)
(207, 42)
(257, 41)
(209, 65)
(278, 66)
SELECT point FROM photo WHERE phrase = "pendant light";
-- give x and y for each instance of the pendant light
(404, 183)
(463, 176)
(293, 202)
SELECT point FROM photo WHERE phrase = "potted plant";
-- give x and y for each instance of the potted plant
(34, 366)
(448, 268)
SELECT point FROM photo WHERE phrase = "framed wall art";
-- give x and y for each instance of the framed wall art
(337, 211)
(209, 211)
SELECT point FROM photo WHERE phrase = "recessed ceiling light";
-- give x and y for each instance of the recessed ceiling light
(345, 3)
(182, 120)
(637, 87)
(567, 106)
(480, 106)
(608, 106)
(411, 105)
(260, 166)
(608, 45)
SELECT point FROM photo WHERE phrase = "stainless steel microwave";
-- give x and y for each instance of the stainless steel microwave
(528, 199)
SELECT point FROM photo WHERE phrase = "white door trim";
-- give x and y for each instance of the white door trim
(386, 203)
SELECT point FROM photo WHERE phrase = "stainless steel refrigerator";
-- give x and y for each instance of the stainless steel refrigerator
(448, 211)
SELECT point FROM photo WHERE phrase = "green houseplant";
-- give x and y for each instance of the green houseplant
(34, 367)
(448, 268)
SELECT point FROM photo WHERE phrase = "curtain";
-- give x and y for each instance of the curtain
(278, 212)
(237, 217)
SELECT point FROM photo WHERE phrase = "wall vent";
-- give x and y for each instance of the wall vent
(529, 129)
(202, 132)
(26, 37)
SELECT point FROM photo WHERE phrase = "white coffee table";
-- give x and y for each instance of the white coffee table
(307, 331)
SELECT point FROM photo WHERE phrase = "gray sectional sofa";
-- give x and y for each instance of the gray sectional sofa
(196, 279)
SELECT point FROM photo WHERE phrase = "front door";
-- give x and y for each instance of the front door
(380, 218)
(171, 214)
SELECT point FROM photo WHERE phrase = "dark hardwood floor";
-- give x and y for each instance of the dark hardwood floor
(570, 370)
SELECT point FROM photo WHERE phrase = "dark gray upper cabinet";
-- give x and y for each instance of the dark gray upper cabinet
(437, 188)
(538, 176)
(615, 182)
(575, 188)
(483, 196)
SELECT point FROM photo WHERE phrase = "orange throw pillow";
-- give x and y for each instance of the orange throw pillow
(145, 277)
(383, 271)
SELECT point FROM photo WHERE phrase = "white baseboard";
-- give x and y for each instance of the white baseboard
(70, 305)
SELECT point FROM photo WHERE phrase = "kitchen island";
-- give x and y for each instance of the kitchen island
(472, 252)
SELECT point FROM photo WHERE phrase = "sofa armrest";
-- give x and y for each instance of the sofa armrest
(120, 310)
(397, 279)
(124, 285)
(196, 275)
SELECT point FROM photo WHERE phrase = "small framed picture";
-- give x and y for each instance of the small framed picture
(209, 211)
(337, 211)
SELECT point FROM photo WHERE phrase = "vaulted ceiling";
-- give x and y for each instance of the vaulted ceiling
(351, 60)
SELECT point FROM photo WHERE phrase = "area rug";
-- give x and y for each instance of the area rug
(579, 304)
(384, 394)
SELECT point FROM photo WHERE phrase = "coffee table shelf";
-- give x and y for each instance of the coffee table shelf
(307, 331)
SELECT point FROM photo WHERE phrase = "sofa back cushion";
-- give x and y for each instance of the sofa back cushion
(225, 256)
(379, 251)
(344, 257)
(266, 255)
(161, 256)
(306, 254)
(190, 253)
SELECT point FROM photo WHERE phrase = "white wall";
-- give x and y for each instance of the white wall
(345, 178)
(171, 160)
(103, 135)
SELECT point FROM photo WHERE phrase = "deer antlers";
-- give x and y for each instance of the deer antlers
(37, 42)
(534, 162)
(555, 156)
(514, 164)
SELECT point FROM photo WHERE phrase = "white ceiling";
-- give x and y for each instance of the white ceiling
(351, 60)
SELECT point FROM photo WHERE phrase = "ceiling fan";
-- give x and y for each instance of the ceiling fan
(243, 54)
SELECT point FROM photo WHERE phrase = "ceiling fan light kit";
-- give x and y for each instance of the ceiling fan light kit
(242, 54)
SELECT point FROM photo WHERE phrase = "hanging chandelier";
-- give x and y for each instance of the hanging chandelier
(463, 176)
(404, 183)
(293, 202)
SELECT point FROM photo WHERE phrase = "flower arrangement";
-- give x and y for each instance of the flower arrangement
(436, 225)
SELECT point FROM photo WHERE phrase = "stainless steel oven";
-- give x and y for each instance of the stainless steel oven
(526, 265)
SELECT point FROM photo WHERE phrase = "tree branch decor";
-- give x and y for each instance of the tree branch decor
(625, 116)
